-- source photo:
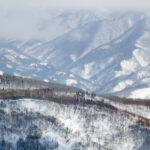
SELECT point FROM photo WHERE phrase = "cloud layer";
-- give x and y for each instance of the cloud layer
(109, 4)
(21, 18)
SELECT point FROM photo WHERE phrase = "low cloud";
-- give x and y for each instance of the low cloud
(75, 4)
(23, 18)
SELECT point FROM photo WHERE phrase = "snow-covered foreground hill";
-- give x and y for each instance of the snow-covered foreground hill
(98, 51)
(43, 125)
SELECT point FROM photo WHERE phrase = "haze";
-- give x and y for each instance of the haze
(20, 19)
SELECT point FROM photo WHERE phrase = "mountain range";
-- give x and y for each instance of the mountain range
(104, 52)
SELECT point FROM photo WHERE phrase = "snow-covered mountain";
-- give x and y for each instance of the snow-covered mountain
(97, 51)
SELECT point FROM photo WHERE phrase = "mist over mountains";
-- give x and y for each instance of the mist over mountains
(94, 50)
(87, 53)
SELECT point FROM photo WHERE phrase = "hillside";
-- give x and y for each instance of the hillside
(74, 75)
(51, 116)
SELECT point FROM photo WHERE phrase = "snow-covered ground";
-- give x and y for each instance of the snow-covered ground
(137, 109)
(143, 93)
(68, 127)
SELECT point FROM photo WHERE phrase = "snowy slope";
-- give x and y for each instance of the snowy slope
(141, 93)
(18, 63)
(46, 125)
(96, 51)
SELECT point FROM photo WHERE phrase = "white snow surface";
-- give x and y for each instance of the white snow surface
(82, 127)
(71, 82)
(1, 72)
(122, 85)
(143, 93)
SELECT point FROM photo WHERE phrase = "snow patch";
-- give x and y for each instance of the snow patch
(122, 85)
(33, 65)
(142, 74)
(11, 58)
(70, 82)
(71, 76)
(73, 57)
(60, 73)
(43, 63)
(130, 22)
(1, 73)
(46, 80)
(141, 93)
(16, 74)
(141, 57)
(87, 70)
(9, 66)
(127, 67)
(22, 56)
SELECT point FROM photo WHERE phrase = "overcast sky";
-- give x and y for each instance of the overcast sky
(18, 16)
(111, 4)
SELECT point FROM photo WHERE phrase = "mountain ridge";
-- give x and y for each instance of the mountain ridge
(105, 54)
(64, 118)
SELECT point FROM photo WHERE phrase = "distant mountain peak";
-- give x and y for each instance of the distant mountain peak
(103, 53)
